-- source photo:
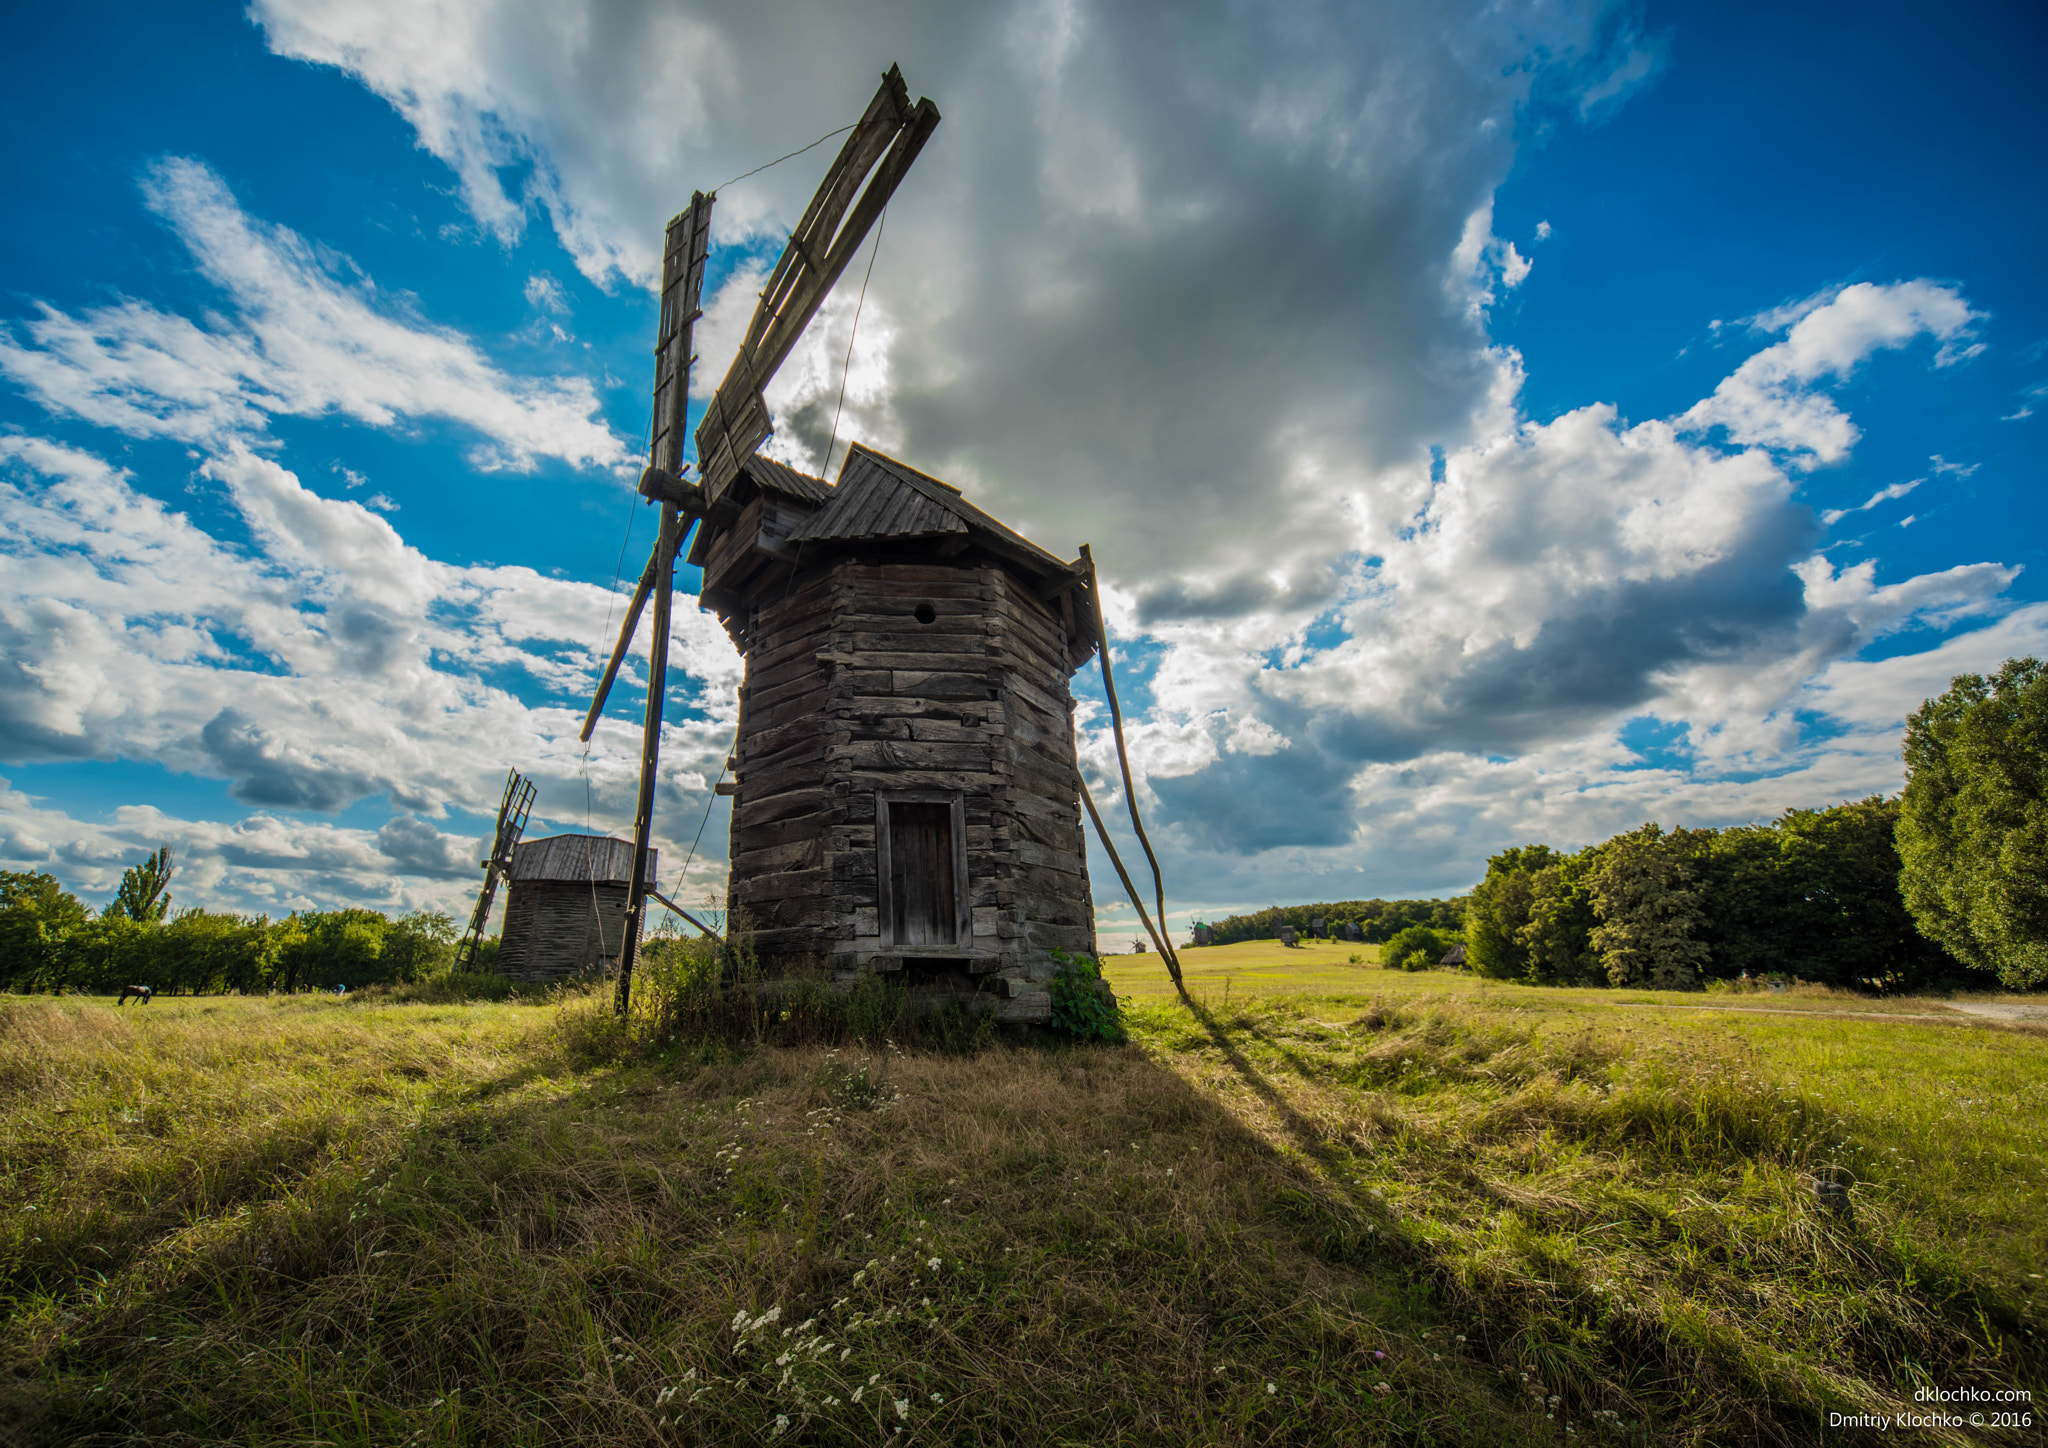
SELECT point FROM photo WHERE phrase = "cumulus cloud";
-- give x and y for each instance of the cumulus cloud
(321, 664)
(302, 341)
(1548, 584)
(1770, 400)
(1177, 280)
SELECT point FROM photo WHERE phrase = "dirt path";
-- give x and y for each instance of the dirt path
(1983, 1009)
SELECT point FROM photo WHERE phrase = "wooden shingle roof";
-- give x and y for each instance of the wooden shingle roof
(580, 858)
(781, 478)
(878, 499)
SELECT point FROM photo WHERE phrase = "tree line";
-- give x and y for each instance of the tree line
(51, 941)
(1814, 893)
(1947, 882)
(1377, 920)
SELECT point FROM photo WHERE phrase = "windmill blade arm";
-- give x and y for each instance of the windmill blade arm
(809, 292)
(626, 632)
(885, 115)
(878, 153)
(813, 237)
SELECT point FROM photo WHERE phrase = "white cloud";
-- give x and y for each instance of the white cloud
(302, 342)
(1496, 627)
(326, 663)
(1079, 306)
(545, 294)
(1769, 401)
(1883, 495)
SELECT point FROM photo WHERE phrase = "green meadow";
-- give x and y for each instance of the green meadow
(1331, 1204)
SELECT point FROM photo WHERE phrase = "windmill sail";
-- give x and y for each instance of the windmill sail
(885, 141)
(512, 812)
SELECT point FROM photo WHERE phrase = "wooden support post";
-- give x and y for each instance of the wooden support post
(626, 631)
(1123, 759)
(1158, 938)
(650, 746)
(686, 915)
(685, 250)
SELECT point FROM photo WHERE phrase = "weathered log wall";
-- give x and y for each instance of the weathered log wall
(923, 677)
(555, 929)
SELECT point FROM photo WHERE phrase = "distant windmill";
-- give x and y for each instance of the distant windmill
(513, 809)
(906, 785)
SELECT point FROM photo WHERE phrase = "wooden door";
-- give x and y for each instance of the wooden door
(921, 886)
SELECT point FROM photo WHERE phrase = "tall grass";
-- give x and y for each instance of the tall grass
(1411, 1221)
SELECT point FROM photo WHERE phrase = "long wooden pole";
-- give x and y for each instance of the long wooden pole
(1109, 845)
(650, 747)
(1123, 759)
(626, 631)
(685, 249)
(685, 914)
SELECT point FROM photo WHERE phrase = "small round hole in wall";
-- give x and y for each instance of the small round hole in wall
(926, 613)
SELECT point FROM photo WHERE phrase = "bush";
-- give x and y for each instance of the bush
(1418, 960)
(455, 987)
(1083, 1005)
(1414, 940)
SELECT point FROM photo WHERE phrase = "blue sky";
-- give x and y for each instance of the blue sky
(1493, 426)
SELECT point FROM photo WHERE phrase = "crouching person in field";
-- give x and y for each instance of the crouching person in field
(140, 992)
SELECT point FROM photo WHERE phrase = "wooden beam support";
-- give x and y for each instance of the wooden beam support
(650, 747)
(685, 251)
(626, 632)
(656, 894)
(885, 141)
(1123, 759)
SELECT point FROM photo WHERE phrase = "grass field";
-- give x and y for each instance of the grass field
(1345, 1205)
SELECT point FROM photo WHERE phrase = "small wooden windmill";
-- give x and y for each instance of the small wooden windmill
(906, 794)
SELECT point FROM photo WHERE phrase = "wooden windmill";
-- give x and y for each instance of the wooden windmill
(906, 790)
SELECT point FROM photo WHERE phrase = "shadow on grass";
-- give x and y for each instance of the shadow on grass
(1072, 1245)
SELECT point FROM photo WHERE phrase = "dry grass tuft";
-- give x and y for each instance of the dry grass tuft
(1401, 1221)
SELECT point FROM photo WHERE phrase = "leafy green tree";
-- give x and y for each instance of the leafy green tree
(1842, 867)
(1757, 918)
(145, 891)
(1498, 909)
(37, 918)
(1557, 937)
(327, 948)
(1973, 828)
(1651, 909)
(203, 950)
(419, 946)
(106, 953)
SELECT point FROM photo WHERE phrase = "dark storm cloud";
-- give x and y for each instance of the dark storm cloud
(1167, 276)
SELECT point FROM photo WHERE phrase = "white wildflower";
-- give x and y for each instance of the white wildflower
(903, 1407)
(1270, 1390)
(933, 1264)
